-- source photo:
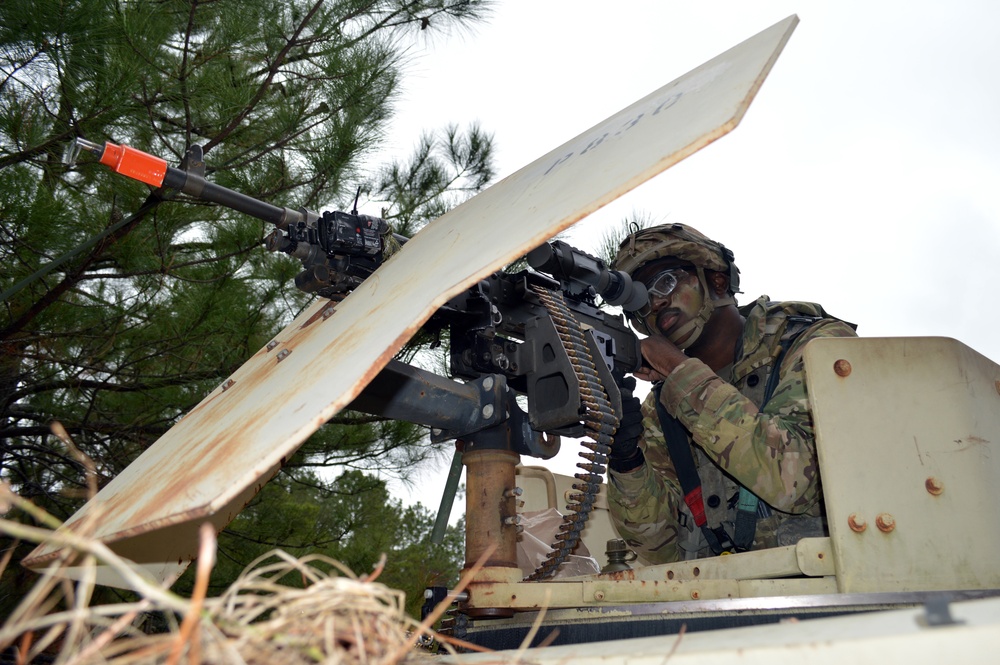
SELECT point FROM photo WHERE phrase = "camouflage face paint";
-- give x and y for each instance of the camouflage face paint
(669, 316)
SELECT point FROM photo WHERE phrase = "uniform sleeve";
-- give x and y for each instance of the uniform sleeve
(644, 503)
(771, 452)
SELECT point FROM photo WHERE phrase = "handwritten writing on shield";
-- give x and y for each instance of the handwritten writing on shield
(617, 126)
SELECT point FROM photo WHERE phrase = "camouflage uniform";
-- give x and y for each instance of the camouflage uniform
(772, 453)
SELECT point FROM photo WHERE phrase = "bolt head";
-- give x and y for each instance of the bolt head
(842, 368)
(934, 486)
(885, 522)
(857, 523)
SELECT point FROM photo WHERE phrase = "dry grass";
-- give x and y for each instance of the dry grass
(330, 616)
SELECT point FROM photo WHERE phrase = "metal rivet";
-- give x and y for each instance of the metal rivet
(842, 367)
(934, 486)
(284, 353)
(488, 383)
(227, 385)
(857, 524)
(598, 595)
(271, 345)
(695, 595)
(488, 411)
(328, 312)
(885, 522)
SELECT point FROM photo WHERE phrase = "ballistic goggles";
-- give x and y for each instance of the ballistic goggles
(663, 283)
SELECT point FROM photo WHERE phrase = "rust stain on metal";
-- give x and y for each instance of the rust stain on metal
(695, 595)
(172, 486)
(620, 575)
(971, 442)
(218, 451)
(857, 524)
(324, 314)
(842, 368)
(996, 384)
(934, 486)
(141, 510)
(885, 522)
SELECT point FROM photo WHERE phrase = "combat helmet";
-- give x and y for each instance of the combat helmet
(688, 244)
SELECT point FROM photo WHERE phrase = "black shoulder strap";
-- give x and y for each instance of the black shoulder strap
(676, 437)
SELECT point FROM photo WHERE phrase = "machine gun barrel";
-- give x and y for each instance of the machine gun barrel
(338, 250)
(154, 171)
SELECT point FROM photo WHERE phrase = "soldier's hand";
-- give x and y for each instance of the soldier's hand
(625, 452)
(661, 356)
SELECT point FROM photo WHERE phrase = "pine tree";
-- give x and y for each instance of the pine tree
(352, 520)
(123, 307)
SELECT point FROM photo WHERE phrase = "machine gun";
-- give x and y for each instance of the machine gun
(539, 333)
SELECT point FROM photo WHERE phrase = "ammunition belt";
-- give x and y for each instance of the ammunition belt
(600, 421)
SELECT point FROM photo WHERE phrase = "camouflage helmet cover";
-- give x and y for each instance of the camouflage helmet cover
(676, 241)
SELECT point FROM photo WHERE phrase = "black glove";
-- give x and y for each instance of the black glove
(625, 452)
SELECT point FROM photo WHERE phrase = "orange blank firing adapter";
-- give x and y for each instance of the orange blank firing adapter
(134, 164)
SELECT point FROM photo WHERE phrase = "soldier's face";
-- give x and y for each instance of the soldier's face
(675, 295)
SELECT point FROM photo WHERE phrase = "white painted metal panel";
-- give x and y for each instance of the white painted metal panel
(908, 431)
(211, 463)
(535, 482)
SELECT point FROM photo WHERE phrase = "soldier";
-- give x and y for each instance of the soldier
(721, 456)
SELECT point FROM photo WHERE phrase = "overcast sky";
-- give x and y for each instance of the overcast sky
(865, 175)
